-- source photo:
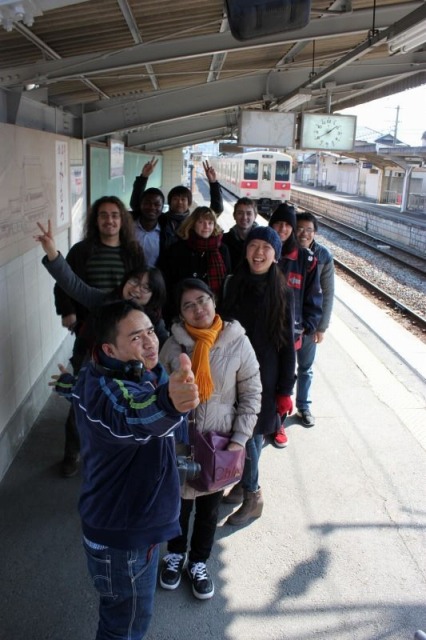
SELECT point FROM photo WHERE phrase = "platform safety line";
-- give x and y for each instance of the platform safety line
(408, 406)
(408, 348)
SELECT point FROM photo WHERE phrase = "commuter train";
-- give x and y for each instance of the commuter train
(263, 176)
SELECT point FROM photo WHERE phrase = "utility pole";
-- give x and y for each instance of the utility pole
(395, 131)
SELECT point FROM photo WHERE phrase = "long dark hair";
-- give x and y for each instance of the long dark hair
(154, 308)
(238, 290)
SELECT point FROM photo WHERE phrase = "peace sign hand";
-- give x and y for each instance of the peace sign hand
(47, 240)
(209, 171)
(149, 167)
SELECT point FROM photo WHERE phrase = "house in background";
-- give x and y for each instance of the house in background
(369, 171)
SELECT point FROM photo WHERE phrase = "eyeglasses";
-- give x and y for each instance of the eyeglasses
(138, 284)
(202, 301)
(308, 232)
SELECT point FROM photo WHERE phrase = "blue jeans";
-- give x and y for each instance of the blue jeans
(125, 581)
(305, 360)
(250, 479)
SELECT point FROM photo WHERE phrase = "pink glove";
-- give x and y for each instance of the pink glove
(284, 404)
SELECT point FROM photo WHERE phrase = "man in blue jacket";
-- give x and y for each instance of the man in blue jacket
(127, 410)
(307, 227)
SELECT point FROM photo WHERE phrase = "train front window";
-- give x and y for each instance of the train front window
(282, 171)
(266, 172)
(251, 169)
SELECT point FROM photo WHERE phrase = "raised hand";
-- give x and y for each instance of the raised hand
(209, 171)
(54, 379)
(47, 240)
(149, 167)
(183, 391)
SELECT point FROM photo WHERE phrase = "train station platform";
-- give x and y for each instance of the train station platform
(364, 203)
(339, 552)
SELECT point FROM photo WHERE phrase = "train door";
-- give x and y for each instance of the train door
(265, 178)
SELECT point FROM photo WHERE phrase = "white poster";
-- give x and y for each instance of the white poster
(77, 203)
(62, 196)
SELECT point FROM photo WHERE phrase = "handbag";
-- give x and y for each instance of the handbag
(219, 467)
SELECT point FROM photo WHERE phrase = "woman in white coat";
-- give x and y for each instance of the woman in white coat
(227, 374)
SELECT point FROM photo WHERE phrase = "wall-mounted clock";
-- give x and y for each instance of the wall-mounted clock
(327, 131)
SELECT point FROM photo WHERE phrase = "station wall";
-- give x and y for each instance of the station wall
(44, 175)
(35, 170)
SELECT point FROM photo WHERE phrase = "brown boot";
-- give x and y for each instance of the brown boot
(251, 508)
(236, 495)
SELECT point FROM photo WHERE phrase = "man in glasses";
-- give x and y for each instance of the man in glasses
(306, 228)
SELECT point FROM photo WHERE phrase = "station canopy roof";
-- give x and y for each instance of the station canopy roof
(162, 74)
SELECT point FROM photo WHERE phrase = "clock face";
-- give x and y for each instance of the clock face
(327, 131)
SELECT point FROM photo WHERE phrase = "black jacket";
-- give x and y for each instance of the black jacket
(77, 258)
(180, 262)
(139, 186)
(276, 367)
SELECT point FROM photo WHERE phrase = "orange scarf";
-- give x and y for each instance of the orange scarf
(204, 340)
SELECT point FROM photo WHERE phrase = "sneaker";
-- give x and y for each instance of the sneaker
(280, 438)
(202, 584)
(308, 419)
(171, 570)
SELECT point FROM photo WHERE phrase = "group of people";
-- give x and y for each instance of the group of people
(173, 316)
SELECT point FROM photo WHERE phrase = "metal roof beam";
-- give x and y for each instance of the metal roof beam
(357, 22)
(184, 126)
(231, 93)
(183, 141)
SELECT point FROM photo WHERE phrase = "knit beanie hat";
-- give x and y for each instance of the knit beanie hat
(284, 213)
(267, 234)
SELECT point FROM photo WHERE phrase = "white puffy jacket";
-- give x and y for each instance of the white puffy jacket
(236, 399)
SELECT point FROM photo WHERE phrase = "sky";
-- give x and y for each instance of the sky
(381, 115)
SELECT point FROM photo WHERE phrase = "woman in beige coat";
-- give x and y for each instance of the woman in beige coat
(227, 373)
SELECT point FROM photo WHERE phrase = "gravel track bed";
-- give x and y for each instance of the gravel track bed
(402, 283)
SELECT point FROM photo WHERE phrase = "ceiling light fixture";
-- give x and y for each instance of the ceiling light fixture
(294, 101)
(12, 11)
(408, 40)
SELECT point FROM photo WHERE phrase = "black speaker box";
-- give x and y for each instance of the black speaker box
(257, 18)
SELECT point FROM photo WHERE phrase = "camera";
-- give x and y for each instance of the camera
(188, 469)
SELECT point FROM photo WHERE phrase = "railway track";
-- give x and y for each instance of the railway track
(394, 281)
(379, 245)
(418, 320)
(389, 272)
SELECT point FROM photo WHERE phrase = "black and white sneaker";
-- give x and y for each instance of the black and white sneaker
(202, 584)
(308, 419)
(171, 570)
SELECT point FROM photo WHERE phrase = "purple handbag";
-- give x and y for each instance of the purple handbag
(219, 467)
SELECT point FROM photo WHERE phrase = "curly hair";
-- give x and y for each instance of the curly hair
(127, 234)
(200, 213)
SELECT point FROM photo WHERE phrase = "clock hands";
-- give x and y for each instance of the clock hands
(327, 132)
